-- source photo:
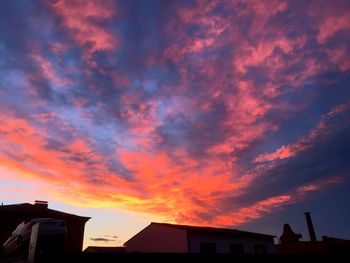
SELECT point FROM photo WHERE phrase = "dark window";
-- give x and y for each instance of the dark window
(208, 248)
(260, 249)
(236, 249)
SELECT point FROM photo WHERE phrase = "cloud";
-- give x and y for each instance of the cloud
(111, 236)
(101, 239)
(322, 156)
(323, 127)
(257, 210)
(82, 22)
(197, 113)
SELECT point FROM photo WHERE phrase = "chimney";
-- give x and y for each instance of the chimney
(310, 227)
(41, 204)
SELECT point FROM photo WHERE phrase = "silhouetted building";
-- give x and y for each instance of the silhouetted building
(170, 238)
(336, 245)
(13, 215)
(288, 235)
(290, 244)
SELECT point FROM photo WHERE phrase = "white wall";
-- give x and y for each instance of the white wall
(223, 242)
(157, 238)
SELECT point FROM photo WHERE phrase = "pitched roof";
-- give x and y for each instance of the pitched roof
(201, 229)
(214, 230)
(30, 208)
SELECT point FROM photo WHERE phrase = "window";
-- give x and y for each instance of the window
(236, 249)
(208, 248)
(260, 249)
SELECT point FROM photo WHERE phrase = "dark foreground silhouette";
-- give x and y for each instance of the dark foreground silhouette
(59, 239)
(171, 257)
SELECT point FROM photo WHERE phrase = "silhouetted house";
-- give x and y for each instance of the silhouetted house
(291, 245)
(111, 250)
(13, 215)
(170, 238)
(336, 245)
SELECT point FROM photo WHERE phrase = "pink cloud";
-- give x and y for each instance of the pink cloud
(332, 25)
(79, 16)
(281, 153)
(245, 107)
(49, 71)
(254, 211)
(271, 204)
(173, 181)
(304, 143)
(339, 57)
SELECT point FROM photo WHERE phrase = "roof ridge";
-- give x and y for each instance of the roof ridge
(191, 227)
(48, 210)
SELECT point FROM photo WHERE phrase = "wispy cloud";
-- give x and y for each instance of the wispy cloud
(102, 239)
(204, 113)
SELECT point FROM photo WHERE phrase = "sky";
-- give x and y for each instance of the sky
(219, 113)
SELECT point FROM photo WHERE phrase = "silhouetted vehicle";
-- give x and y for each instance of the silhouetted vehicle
(18, 242)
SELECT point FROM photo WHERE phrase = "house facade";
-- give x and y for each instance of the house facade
(12, 215)
(171, 238)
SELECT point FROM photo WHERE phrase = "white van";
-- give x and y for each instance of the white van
(18, 242)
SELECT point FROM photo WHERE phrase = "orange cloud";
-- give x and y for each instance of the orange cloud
(174, 151)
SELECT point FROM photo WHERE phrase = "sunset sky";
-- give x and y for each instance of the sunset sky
(228, 114)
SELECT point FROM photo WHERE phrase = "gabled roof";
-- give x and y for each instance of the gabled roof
(30, 208)
(214, 230)
(201, 229)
